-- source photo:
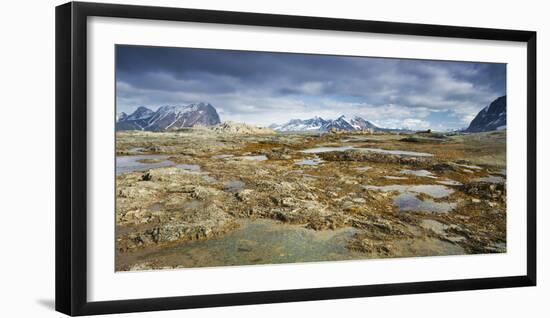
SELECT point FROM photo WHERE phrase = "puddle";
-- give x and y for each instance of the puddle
(433, 190)
(260, 242)
(310, 162)
(409, 202)
(398, 152)
(263, 241)
(378, 150)
(126, 164)
(418, 173)
(491, 179)
(234, 186)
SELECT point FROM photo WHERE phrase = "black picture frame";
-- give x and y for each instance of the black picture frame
(71, 157)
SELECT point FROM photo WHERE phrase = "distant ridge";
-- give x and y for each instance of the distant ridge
(322, 125)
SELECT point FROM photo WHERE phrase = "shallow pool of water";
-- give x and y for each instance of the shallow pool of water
(418, 173)
(260, 242)
(126, 164)
(263, 241)
(409, 202)
(310, 162)
(397, 152)
(378, 150)
(433, 190)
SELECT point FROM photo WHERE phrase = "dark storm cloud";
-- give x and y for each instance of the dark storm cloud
(249, 86)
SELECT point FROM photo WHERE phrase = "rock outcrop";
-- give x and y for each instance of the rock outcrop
(492, 117)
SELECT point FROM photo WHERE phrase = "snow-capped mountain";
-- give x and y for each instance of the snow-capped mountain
(319, 124)
(170, 117)
(121, 116)
(341, 124)
(135, 121)
(360, 123)
(492, 117)
(140, 113)
(312, 124)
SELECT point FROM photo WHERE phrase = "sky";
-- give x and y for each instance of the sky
(262, 88)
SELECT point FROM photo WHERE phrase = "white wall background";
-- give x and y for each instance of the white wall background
(27, 158)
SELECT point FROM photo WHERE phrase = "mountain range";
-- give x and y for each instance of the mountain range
(492, 117)
(319, 124)
(168, 117)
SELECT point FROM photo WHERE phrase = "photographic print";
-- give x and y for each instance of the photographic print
(227, 157)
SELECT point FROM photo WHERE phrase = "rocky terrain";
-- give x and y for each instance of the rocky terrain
(229, 127)
(232, 194)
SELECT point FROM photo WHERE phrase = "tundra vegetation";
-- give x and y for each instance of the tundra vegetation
(234, 195)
